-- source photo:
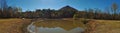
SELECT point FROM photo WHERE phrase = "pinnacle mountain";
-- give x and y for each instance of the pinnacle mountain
(68, 8)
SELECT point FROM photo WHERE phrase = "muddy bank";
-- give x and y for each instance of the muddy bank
(61, 25)
(91, 26)
(25, 24)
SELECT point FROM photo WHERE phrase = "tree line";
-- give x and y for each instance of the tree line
(111, 13)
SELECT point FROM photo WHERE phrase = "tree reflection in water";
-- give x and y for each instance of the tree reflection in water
(67, 25)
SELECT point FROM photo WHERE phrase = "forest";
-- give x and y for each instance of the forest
(110, 13)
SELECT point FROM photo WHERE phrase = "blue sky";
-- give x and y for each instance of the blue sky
(57, 4)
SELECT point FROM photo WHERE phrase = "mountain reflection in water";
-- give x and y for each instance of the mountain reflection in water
(58, 26)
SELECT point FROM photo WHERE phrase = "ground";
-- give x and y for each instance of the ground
(13, 25)
(18, 26)
(107, 26)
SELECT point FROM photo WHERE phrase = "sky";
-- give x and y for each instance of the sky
(57, 4)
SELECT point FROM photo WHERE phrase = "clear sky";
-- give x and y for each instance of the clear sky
(57, 4)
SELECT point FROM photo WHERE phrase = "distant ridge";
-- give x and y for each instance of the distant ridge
(68, 8)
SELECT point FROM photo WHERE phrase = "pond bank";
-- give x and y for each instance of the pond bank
(91, 26)
(65, 25)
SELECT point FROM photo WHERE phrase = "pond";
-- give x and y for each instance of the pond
(56, 26)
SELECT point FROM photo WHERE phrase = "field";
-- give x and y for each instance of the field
(107, 26)
(103, 26)
(13, 25)
(19, 26)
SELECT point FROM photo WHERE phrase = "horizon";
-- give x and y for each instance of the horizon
(57, 4)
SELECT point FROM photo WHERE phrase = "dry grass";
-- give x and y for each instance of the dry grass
(12, 25)
(17, 25)
(108, 26)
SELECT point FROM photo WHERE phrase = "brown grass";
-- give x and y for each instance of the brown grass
(103, 26)
(13, 25)
(108, 26)
(19, 25)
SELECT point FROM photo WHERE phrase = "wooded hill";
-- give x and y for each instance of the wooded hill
(64, 12)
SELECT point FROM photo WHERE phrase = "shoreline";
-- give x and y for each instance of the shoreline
(25, 25)
(28, 25)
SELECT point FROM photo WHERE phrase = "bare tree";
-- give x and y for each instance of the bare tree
(114, 7)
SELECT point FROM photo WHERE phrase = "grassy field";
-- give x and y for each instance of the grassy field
(13, 25)
(107, 26)
(19, 25)
(103, 26)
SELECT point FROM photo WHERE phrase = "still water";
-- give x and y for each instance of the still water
(56, 26)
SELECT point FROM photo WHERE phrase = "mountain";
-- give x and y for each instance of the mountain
(68, 8)
(67, 11)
